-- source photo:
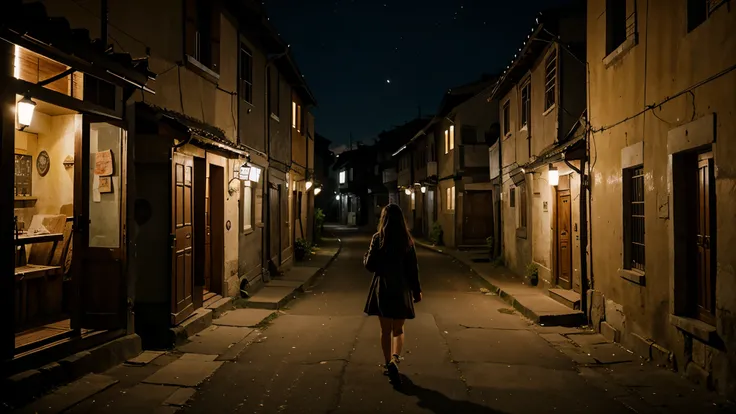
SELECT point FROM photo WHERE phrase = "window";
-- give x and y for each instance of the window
(246, 74)
(342, 177)
(550, 73)
(522, 207)
(247, 209)
(294, 114)
(452, 137)
(351, 174)
(447, 143)
(512, 197)
(633, 193)
(620, 24)
(202, 33)
(450, 194)
(274, 91)
(413, 201)
(705, 236)
(506, 118)
(698, 11)
(526, 103)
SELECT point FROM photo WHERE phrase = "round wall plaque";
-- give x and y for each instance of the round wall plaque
(43, 163)
(228, 225)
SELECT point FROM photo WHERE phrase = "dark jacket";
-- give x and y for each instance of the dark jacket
(395, 283)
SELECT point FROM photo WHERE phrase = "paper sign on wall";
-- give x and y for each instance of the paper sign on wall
(105, 185)
(103, 163)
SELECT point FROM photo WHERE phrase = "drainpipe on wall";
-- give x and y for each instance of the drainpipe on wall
(266, 235)
(499, 208)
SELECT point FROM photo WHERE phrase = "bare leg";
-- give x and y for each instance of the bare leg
(397, 329)
(386, 326)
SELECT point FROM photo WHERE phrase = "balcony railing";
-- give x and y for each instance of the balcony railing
(389, 175)
(431, 168)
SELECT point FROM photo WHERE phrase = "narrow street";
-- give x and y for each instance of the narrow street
(466, 351)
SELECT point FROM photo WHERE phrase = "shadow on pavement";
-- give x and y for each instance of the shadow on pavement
(438, 402)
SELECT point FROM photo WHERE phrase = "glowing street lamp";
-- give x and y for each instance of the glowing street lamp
(337, 197)
(309, 184)
(423, 189)
(317, 190)
(407, 191)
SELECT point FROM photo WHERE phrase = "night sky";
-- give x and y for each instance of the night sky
(371, 64)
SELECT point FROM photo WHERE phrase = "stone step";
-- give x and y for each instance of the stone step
(569, 298)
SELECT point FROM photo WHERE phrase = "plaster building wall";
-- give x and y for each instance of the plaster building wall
(666, 60)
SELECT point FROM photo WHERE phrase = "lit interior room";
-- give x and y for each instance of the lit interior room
(45, 139)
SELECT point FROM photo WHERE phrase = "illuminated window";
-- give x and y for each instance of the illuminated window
(452, 137)
(450, 194)
(447, 144)
(293, 114)
(342, 177)
(525, 103)
(413, 201)
(247, 208)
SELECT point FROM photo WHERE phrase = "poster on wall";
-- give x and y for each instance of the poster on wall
(105, 185)
(103, 163)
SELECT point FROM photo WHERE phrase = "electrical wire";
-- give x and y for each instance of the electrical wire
(93, 14)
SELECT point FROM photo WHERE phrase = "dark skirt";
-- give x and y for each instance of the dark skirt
(389, 297)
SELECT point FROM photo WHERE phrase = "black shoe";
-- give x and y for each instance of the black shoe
(393, 372)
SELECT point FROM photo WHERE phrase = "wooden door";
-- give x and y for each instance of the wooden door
(182, 276)
(285, 243)
(705, 239)
(564, 242)
(208, 237)
(99, 227)
(478, 217)
(273, 218)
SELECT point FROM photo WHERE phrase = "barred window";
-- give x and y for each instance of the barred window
(550, 93)
(634, 218)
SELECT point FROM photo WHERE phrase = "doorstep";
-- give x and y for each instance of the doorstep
(530, 301)
(21, 387)
(276, 293)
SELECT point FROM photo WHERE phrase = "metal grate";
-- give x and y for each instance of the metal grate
(637, 218)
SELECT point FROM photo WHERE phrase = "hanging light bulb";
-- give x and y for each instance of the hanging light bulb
(25, 109)
(317, 190)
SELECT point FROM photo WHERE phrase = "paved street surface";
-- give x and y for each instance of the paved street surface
(466, 352)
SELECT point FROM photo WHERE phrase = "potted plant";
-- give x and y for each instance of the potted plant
(532, 273)
(302, 248)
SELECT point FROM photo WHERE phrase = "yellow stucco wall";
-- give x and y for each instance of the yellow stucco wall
(665, 61)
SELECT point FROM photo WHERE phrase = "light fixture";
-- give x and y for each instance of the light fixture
(407, 191)
(309, 184)
(244, 173)
(25, 109)
(424, 189)
(337, 197)
(317, 190)
(554, 176)
(255, 173)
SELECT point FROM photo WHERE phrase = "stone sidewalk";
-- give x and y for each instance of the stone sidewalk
(163, 381)
(530, 301)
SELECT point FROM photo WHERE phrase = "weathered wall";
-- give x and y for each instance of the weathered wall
(252, 115)
(666, 61)
(446, 217)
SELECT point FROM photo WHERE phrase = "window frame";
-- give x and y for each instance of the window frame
(342, 177)
(452, 137)
(634, 220)
(523, 219)
(550, 80)
(506, 115)
(246, 79)
(525, 110)
(447, 141)
(247, 188)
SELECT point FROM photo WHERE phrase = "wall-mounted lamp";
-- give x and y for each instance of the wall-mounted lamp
(337, 197)
(25, 109)
(317, 190)
(309, 185)
(423, 189)
(407, 191)
(553, 176)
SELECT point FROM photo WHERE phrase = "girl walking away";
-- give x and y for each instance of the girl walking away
(395, 286)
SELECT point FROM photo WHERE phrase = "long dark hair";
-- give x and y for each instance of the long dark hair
(392, 229)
